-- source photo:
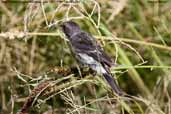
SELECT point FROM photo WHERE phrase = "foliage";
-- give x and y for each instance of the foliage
(37, 69)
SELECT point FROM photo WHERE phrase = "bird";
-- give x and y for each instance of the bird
(88, 52)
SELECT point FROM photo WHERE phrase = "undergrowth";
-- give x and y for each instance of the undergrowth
(39, 75)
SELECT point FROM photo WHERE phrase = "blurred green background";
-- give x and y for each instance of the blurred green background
(135, 33)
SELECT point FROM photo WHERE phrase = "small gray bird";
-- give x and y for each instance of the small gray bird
(88, 52)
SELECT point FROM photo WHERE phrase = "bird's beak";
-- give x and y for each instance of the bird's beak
(61, 29)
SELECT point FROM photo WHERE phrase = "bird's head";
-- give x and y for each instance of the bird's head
(70, 28)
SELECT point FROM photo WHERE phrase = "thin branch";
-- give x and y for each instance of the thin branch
(139, 67)
(39, 1)
(22, 34)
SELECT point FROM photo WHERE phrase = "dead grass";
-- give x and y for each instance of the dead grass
(135, 33)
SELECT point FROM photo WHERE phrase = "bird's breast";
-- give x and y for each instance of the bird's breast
(91, 62)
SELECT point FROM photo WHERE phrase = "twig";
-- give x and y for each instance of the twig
(39, 1)
(22, 34)
(28, 103)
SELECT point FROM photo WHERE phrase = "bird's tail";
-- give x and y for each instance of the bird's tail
(113, 84)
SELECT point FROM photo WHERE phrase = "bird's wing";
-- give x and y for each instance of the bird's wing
(85, 43)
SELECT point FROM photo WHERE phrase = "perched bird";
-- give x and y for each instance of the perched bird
(89, 53)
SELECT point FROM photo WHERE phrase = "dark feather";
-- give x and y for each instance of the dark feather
(89, 52)
(84, 42)
(113, 84)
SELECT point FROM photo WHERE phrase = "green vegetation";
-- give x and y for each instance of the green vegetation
(37, 68)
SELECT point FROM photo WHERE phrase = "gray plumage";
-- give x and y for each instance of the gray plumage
(88, 52)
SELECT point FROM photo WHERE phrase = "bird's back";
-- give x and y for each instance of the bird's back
(85, 43)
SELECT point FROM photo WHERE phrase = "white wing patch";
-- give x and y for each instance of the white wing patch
(95, 65)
